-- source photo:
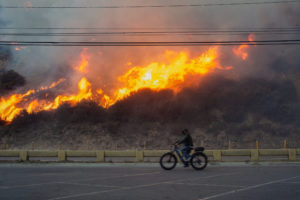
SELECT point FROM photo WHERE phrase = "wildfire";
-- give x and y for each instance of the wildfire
(241, 51)
(54, 84)
(173, 74)
(8, 108)
(84, 61)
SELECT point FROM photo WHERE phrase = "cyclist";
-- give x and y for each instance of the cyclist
(187, 141)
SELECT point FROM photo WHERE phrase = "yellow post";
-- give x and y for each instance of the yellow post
(217, 155)
(254, 155)
(284, 144)
(23, 156)
(229, 144)
(139, 156)
(61, 156)
(100, 156)
(257, 144)
(292, 154)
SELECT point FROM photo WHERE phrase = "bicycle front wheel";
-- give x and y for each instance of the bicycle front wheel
(199, 161)
(168, 161)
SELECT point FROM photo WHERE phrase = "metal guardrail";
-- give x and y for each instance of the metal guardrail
(139, 155)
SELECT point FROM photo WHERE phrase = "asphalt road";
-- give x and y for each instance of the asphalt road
(136, 182)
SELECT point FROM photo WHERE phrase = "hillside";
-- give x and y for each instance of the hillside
(218, 110)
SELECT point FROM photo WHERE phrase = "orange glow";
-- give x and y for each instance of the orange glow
(157, 76)
(241, 51)
(8, 109)
(177, 72)
(19, 48)
(54, 84)
(84, 92)
(82, 67)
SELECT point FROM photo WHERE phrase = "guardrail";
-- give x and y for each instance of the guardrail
(253, 155)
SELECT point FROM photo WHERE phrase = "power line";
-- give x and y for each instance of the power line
(154, 33)
(194, 43)
(155, 6)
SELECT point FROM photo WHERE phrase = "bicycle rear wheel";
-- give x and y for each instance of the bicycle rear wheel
(168, 161)
(199, 161)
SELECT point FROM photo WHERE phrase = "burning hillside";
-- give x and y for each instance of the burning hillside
(179, 71)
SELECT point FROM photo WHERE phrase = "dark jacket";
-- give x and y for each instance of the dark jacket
(186, 140)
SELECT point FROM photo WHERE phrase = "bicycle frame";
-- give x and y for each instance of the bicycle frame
(178, 153)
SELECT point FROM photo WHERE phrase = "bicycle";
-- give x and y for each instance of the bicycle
(198, 159)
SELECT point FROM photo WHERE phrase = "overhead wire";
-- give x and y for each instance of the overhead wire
(177, 43)
(41, 33)
(153, 6)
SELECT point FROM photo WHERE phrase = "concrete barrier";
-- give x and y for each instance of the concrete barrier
(119, 153)
(139, 155)
(81, 153)
(9, 153)
(42, 153)
(154, 153)
(273, 152)
(236, 152)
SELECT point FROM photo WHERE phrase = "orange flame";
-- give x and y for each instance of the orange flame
(174, 74)
(157, 76)
(8, 109)
(54, 84)
(84, 61)
(84, 92)
(241, 50)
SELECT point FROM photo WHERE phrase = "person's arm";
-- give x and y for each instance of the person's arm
(183, 140)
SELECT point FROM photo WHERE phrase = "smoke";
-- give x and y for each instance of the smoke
(41, 65)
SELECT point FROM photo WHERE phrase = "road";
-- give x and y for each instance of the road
(148, 181)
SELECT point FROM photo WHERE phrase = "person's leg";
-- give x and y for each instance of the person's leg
(185, 151)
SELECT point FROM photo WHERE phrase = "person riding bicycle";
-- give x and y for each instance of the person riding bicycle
(187, 141)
